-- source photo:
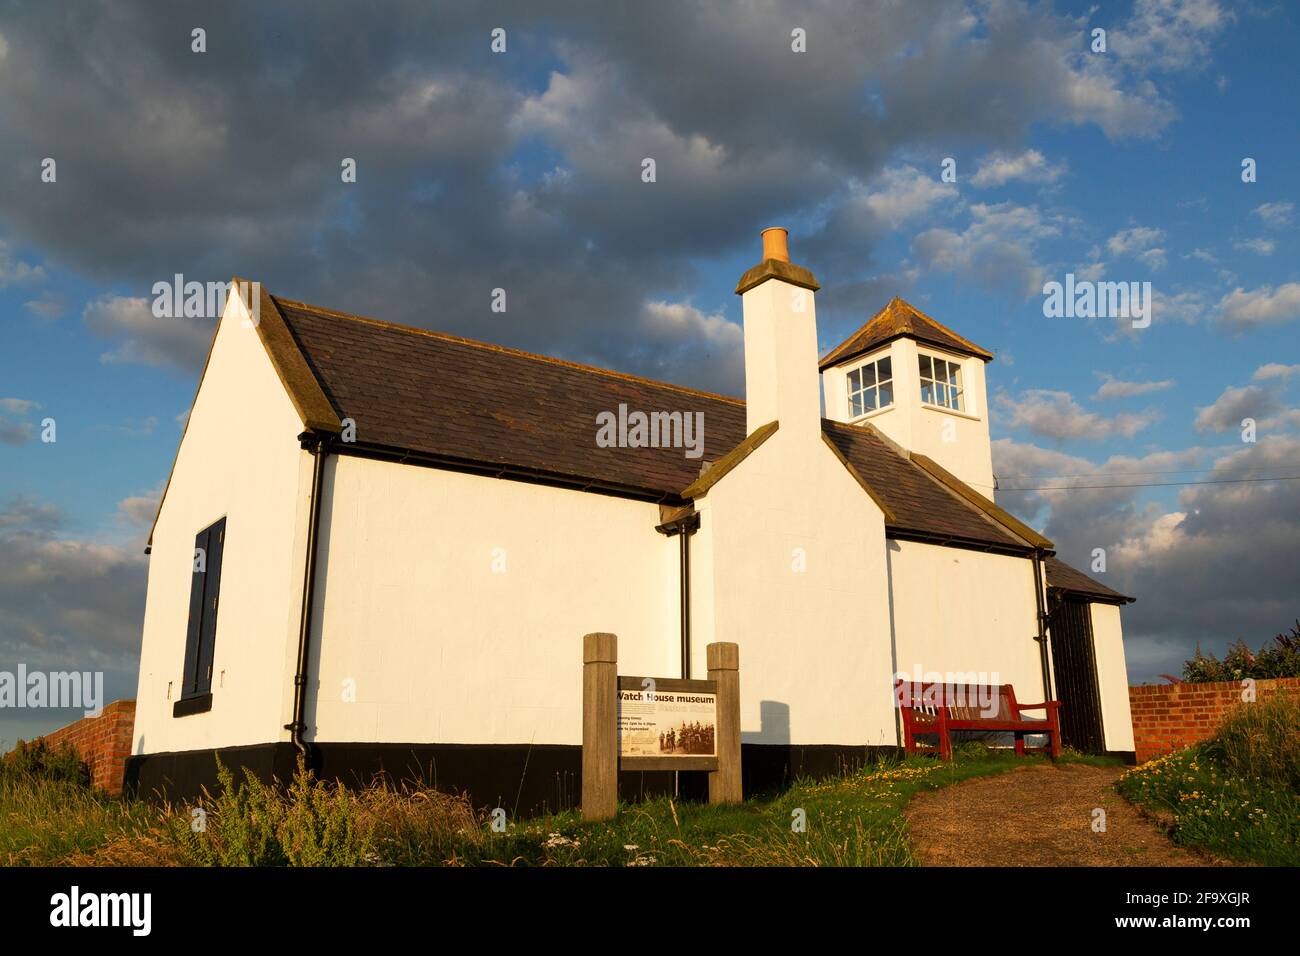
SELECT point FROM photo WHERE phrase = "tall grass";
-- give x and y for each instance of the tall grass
(313, 823)
(852, 820)
(45, 822)
(1236, 794)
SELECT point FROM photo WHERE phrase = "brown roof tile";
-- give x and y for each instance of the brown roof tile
(444, 396)
(1063, 577)
(919, 502)
(896, 319)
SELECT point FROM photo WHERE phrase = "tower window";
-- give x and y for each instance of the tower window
(871, 386)
(941, 383)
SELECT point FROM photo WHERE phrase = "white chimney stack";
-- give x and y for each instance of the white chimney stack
(782, 381)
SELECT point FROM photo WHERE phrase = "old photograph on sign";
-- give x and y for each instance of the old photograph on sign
(666, 723)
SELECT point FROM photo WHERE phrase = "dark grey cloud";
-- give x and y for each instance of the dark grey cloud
(519, 170)
(1219, 566)
(68, 605)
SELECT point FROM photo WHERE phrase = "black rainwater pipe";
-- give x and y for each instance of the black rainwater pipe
(685, 527)
(319, 446)
(1042, 624)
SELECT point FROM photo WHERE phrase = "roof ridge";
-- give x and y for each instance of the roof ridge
(943, 328)
(901, 317)
(493, 347)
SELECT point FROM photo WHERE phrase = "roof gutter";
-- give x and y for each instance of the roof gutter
(957, 541)
(319, 445)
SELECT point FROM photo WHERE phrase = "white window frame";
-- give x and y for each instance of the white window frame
(873, 388)
(948, 392)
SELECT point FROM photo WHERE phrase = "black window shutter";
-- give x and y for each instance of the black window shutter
(198, 580)
(211, 596)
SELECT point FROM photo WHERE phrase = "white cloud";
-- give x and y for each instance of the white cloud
(16, 272)
(1112, 387)
(1185, 306)
(901, 193)
(1030, 166)
(1260, 246)
(18, 406)
(997, 248)
(1275, 213)
(1134, 241)
(1169, 34)
(137, 511)
(144, 338)
(686, 340)
(13, 430)
(49, 305)
(1056, 415)
(1234, 404)
(1274, 370)
(1262, 306)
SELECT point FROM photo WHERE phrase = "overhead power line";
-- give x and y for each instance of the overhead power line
(1152, 484)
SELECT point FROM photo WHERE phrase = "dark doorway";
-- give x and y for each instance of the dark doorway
(1074, 667)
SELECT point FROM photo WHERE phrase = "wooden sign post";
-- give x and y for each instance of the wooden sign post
(599, 726)
(643, 723)
(724, 670)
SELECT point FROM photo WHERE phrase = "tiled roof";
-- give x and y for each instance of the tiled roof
(919, 502)
(1065, 578)
(896, 319)
(452, 398)
(421, 393)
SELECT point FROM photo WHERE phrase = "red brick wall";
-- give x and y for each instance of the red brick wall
(1169, 716)
(104, 743)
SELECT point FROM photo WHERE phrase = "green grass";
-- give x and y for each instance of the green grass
(1236, 794)
(854, 820)
(48, 822)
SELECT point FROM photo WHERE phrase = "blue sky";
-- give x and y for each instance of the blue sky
(521, 170)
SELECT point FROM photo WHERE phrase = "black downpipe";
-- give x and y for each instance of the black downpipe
(319, 446)
(686, 604)
(685, 527)
(1042, 624)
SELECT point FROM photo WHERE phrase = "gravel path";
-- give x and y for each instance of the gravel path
(1038, 816)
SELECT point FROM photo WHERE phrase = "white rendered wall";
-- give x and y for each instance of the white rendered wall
(239, 459)
(814, 643)
(1112, 676)
(457, 604)
(966, 611)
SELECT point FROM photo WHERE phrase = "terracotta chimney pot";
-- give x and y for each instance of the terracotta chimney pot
(776, 244)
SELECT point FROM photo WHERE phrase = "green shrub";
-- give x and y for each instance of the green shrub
(38, 761)
(1280, 659)
(1261, 741)
(250, 823)
(1236, 794)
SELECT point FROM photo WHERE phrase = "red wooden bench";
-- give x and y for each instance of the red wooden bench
(943, 708)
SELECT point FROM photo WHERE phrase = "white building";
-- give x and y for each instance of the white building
(404, 536)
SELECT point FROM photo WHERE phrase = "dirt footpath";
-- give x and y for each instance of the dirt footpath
(1038, 816)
